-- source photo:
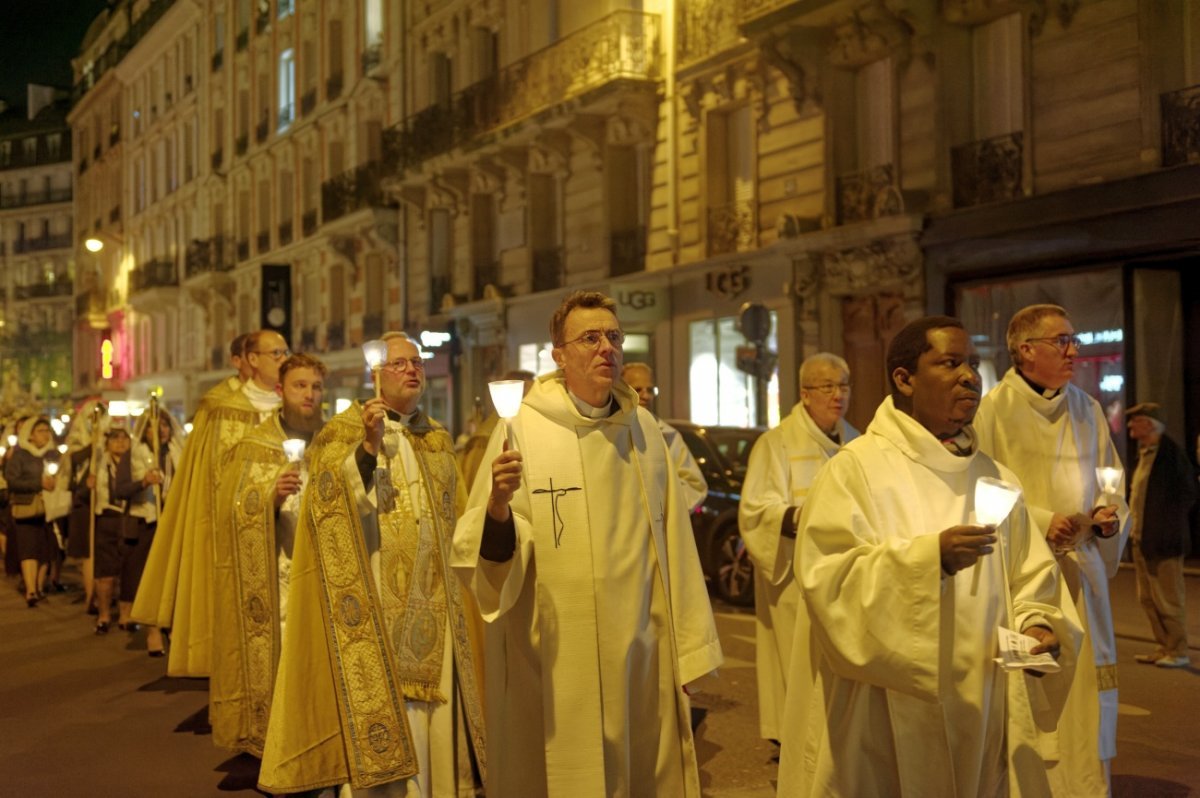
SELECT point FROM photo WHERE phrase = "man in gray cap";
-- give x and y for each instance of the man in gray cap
(1161, 495)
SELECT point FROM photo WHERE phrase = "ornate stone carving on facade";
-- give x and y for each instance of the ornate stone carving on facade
(870, 194)
(888, 261)
(551, 153)
(450, 188)
(346, 247)
(592, 131)
(870, 33)
(787, 53)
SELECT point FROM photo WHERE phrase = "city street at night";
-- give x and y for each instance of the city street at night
(88, 715)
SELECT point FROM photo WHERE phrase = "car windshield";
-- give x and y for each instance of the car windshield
(734, 445)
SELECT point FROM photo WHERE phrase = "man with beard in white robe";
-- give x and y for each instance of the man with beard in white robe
(783, 464)
(1055, 436)
(580, 553)
(906, 597)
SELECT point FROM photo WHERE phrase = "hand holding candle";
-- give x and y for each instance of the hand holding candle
(375, 353)
(994, 500)
(506, 397)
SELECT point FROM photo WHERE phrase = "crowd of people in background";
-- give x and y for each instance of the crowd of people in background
(382, 612)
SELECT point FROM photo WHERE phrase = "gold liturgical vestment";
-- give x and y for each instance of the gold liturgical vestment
(356, 648)
(246, 591)
(176, 587)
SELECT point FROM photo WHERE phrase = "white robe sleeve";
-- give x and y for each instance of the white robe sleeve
(692, 485)
(874, 600)
(496, 586)
(766, 497)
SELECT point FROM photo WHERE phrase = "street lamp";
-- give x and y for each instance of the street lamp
(93, 244)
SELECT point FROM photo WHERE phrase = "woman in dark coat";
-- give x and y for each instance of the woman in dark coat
(27, 478)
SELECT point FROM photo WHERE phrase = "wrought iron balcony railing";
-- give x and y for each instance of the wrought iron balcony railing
(626, 251)
(731, 227)
(55, 241)
(623, 46)
(351, 191)
(209, 255)
(308, 101)
(308, 222)
(47, 290)
(335, 336)
(157, 273)
(285, 233)
(262, 241)
(218, 157)
(243, 249)
(548, 269)
(1180, 126)
(987, 171)
(27, 198)
(308, 339)
(867, 195)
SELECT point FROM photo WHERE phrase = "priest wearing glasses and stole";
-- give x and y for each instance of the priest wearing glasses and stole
(1055, 437)
(577, 545)
(379, 684)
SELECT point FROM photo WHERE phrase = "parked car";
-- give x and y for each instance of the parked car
(722, 454)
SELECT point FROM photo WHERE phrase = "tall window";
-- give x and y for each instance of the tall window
(731, 225)
(997, 101)
(285, 7)
(713, 345)
(287, 88)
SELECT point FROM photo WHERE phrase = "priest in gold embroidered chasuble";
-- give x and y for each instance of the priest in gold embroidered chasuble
(379, 684)
(257, 512)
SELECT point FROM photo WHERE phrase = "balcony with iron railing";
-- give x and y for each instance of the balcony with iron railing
(618, 50)
(285, 233)
(866, 195)
(115, 52)
(208, 256)
(308, 339)
(335, 336)
(308, 222)
(52, 241)
(1180, 126)
(987, 171)
(308, 101)
(731, 227)
(27, 198)
(262, 242)
(47, 290)
(351, 191)
(156, 273)
(243, 249)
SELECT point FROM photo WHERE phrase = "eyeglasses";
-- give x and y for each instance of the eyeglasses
(829, 388)
(401, 364)
(1061, 342)
(278, 354)
(592, 338)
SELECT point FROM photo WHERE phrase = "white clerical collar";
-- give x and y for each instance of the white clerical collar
(261, 399)
(587, 411)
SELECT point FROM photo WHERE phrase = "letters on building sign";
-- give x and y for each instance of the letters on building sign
(728, 283)
(643, 303)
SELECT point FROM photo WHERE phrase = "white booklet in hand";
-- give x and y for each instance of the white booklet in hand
(1014, 653)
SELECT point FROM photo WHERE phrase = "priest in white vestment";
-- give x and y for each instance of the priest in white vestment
(580, 553)
(693, 486)
(783, 464)
(1055, 436)
(906, 596)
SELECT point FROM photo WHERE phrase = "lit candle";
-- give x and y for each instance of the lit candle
(51, 468)
(994, 500)
(293, 448)
(506, 397)
(375, 353)
(62, 448)
(12, 440)
(1109, 480)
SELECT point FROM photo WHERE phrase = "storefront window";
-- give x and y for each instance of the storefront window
(1095, 302)
(721, 393)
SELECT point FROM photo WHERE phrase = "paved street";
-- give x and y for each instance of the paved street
(81, 714)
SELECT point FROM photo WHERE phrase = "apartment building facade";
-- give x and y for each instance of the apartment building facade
(339, 168)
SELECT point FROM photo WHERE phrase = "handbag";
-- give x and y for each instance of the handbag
(57, 503)
(129, 527)
(27, 505)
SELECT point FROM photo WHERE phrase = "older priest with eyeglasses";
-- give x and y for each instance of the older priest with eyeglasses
(578, 548)
(1055, 436)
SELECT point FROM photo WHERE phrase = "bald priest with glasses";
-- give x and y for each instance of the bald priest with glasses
(1054, 436)
(577, 545)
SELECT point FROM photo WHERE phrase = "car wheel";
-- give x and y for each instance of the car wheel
(733, 572)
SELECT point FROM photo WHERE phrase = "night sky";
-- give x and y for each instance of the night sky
(38, 39)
